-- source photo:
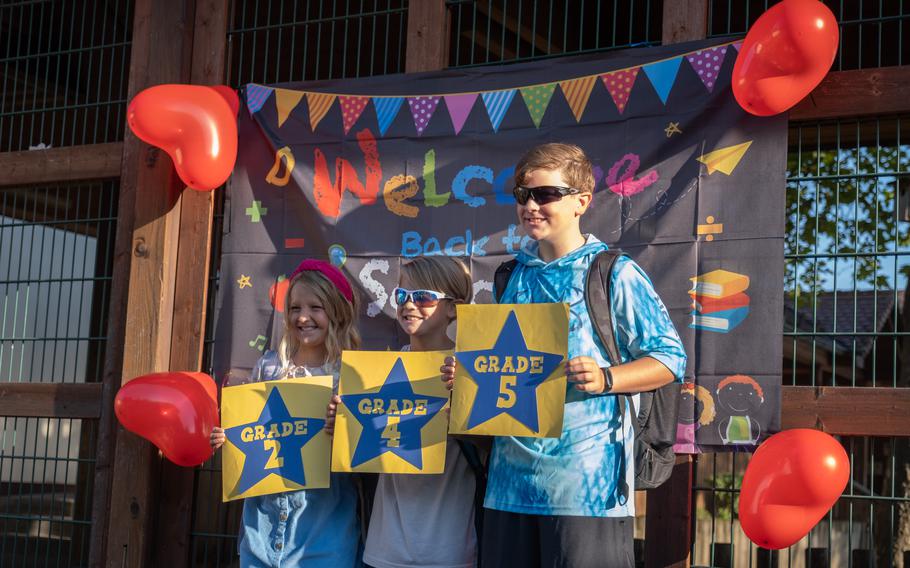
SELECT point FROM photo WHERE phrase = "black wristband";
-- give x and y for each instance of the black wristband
(608, 380)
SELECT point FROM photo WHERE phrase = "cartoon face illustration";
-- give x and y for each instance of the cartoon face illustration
(740, 394)
(700, 398)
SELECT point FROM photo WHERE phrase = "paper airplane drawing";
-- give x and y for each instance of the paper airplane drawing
(724, 159)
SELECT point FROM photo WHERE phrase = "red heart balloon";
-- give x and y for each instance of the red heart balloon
(175, 411)
(792, 481)
(786, 54)
(196, 125)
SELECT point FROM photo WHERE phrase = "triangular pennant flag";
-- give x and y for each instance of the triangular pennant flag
(706, 63)
(459, 108)
(662, 75)
(351, 109)
(256, 95)
(320, 104)
(737, 46)
(537, 99)
(386, 110)
(619, 84)
(286, 100)
(724, 159)
(497, 103)
(577, 92)
(422, 109)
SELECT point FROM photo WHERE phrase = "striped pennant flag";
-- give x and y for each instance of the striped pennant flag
(619, 84)
(577, 92)
(256, 96)
(497, 103)
(286, 100)
(422, 109)
(663, 75)
(320, 104)
(537, 99)
(386, 111)
(459, 108)
(351, 109)
(706, 63)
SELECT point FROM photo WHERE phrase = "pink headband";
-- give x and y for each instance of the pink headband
(328, 270)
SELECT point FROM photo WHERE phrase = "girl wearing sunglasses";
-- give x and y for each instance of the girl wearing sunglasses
(427, 520)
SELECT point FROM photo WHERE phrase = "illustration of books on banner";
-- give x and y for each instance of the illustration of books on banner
(719, 300)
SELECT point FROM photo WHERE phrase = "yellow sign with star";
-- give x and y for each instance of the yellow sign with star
(275, 438)
(391, 417)
(510, 377)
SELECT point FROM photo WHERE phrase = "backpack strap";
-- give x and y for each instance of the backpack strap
(501, 278)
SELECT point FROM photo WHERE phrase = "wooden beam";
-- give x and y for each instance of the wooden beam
(71, 163)
(51, 400)
(175, 503)
(143, 293)
(428, 36)
(861, 92)
(847, 411)
(684, 20)
(668, 529)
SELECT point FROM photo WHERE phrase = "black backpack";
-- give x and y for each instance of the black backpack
(655, 429)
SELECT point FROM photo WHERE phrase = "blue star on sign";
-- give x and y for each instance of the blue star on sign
(392, 418)
(507, 376)
(272, 443)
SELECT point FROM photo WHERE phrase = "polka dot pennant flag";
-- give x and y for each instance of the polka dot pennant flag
(706, 63)
(320, 104)
(459, 108)
(386, 110)
(577, 92)
(619, 84)
(351, 109)
(537, 99)
(497, 103)
(737, 46)
(256, 96)
(286, 100)
(422, 109)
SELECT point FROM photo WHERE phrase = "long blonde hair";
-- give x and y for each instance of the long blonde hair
(342, 315)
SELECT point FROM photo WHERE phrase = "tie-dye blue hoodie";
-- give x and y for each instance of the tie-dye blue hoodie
(588, 471)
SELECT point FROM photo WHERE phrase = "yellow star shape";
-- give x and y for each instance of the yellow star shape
(244, 282)
(672, 128)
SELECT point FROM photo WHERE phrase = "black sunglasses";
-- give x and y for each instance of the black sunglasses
(542, 194)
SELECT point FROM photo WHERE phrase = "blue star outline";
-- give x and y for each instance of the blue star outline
(280, 438)
(412, 412)
(507, 376)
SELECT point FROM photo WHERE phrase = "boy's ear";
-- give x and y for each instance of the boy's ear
(584, 200)
(451, 310)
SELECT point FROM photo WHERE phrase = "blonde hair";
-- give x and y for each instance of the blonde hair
(567, 159)
(342, 315)
(442, 274)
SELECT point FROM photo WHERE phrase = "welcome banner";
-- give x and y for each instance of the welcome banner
(370, 172)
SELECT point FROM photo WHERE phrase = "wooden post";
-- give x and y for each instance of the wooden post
(684, 20)
(143, 293)
(428, 36)
(172, 533)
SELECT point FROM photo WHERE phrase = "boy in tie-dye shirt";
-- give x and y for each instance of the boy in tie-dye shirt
(568, 501)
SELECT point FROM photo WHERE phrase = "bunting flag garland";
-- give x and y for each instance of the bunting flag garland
(662, 75)
(319, 105)
(537, 99)
(286, 101)
(422, 109)
(351, 109)
(459, 108)
(256, 95)
(577, 92)
(386, 111)
(706, 63)
(619, 84)
(497, 103)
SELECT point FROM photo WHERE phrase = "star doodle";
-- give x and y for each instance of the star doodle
(272, 444)
(244, 282)
(387, 431)
(672, 128)
(507, 376)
